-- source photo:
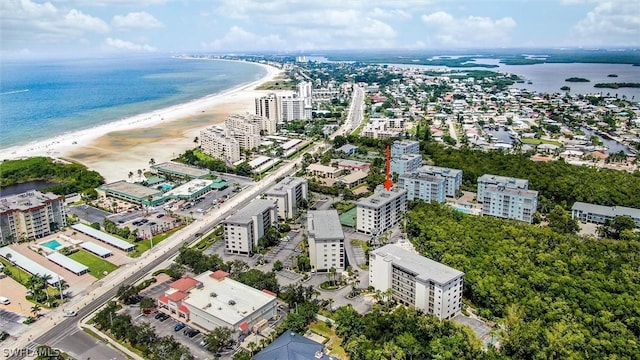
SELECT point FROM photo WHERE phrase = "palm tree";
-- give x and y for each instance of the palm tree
(152, 161)
(139, 173)
(196, 140)
(35, 310)
(130, 175)
(332, 275)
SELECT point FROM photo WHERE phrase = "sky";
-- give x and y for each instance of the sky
(85, 27)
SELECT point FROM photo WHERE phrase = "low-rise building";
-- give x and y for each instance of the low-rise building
(243, 229)
(453, 177)
(599, 214)
(288, 194)
(326, 240)
(381, 211)
(351, 165)
(324, 171)
(212, 300)
(505, 181)
(30, 215)
(178, 170)
(354, 179)
(348, 149)
(509, 203)
(133, 193)
(417, 281)
(405, 163)
(424, 187)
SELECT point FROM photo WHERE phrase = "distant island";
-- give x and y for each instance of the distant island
(576, 79)
(617, 85)
(565, 88)
(612, 75)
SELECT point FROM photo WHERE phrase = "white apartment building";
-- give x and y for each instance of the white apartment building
(381, 211)
(293, 108)
(453, 177)
(383, 128)
(422, 186)
(269, 107)
(417, 281)
(214, 142)
(243, 229)
(399, 148)
(287, 194)
(406, 163)
(30, 215)
(247, 133)
(326, 240)
(505, 181)
(266, 125)
(305, 91)
(509, 203)
(599, 214)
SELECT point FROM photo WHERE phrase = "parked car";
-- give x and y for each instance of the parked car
(179, 326)
(159, 216)
(193, 333)
(164, 317)
(159, 315)
(4, 300)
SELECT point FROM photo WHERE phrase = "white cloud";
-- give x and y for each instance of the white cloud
(611, 23)
(397, 14)
(136, 20)
(127, 45)
(114, 3)
(237, 39)
(25, 21)
(472, 31)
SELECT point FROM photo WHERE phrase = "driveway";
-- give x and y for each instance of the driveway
(88, 213)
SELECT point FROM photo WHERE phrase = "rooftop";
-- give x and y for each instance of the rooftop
(292, 346)
(185, 283)
(26, 200)
(324, 225)
(226, 299)
(511, 191)
(607, 210)
(425, 269)
(382, 197)
(423, 176)
(286, 183)
(255, 207)
(436, 170)
(134, 190)
(177, 168)
(497, 179)
(190, 187)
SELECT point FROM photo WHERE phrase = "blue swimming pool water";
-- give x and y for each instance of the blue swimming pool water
(52, 244)
(166, 187)
(462, 210)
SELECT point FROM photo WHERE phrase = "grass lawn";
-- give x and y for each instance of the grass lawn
(145, 245)
(17, 274)
(97, 266)
(334, 344)
(344, 206)
(540, 141)
(278, 84)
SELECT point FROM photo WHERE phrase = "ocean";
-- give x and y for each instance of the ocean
(42, 99)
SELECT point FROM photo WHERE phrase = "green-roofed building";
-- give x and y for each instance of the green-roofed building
(178, 170)
(219, 184)
(153, 180)
(133, 193)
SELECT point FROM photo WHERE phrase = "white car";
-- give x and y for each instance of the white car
(70, 313)
(4, 300)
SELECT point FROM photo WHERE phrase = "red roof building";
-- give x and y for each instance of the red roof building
(184, 284)
(219, 275)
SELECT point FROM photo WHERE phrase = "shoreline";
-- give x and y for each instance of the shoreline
(118, 147)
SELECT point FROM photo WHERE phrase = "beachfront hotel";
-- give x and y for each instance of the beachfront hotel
(288, 194)
(30, 215)
(326, 240)
(417, 281)
(269, 107)
(212, 299)
(381, 211)
(215, 143)
(243, 229)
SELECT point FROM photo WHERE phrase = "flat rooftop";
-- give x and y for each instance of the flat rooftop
(382, 197)
(177, 168)
(497, 179)
(26, 200)
(255, 207)
(612, 211)
(133, 190)
(423, 177)
(424, 268)
(215, 296)
(437, 170)
(324, 225)
(189, 188)
(512, 191)
(286, 183)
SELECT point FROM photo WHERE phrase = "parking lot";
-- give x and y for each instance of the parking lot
(167, 328)
(88, 213)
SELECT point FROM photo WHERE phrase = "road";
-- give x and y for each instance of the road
(56, 329)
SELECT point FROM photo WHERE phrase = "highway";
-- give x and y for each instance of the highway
(54, 329)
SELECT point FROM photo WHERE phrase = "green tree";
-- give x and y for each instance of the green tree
(277, 265)
(561, 221)
(218, 339)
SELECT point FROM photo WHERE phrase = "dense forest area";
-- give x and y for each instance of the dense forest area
(69, 178)
(559, 295)
(557, 181)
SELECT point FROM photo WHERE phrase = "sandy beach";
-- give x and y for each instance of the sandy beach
(116, 148)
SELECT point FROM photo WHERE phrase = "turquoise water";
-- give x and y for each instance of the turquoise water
(41, 99)
(462, 210)
(52, 244)
(166, 187)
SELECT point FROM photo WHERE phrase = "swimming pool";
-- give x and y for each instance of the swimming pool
(462, 210)
(166, 187)
(52, 244)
